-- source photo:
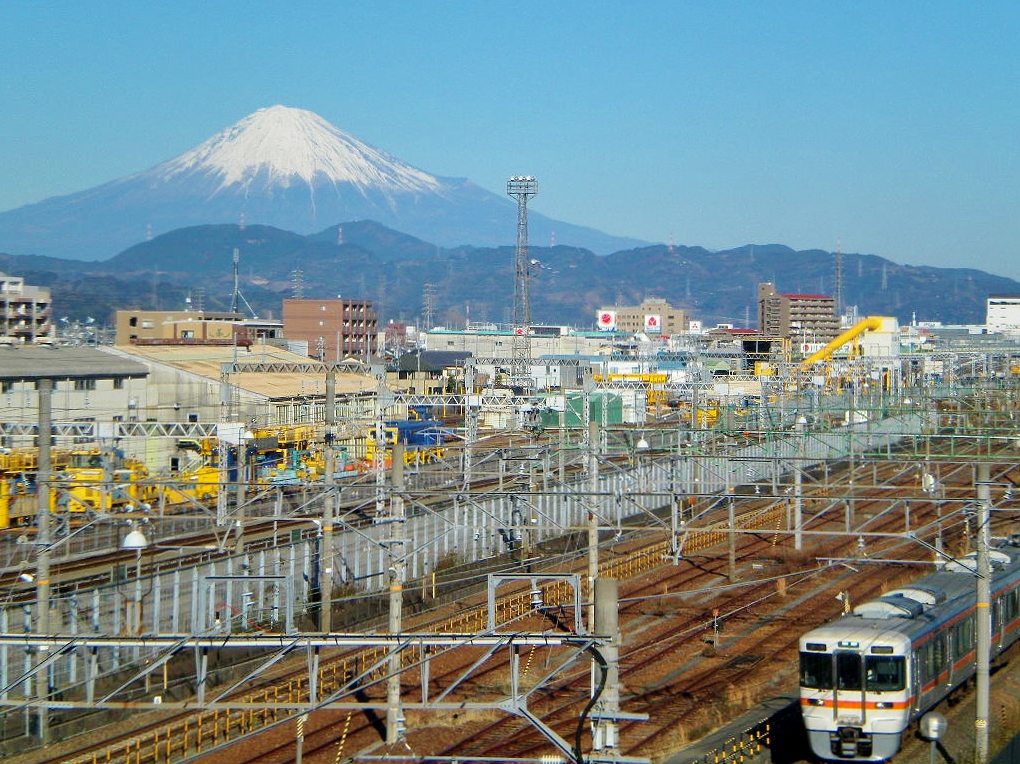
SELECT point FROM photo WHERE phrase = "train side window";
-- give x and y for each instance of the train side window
(963, 637)
(926, 662)
(848, 671)
(1012, 604)
(939, 654)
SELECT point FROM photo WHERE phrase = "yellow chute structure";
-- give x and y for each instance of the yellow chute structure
(869, 324)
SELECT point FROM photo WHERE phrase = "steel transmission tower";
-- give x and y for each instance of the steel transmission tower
(838, 296)
(522, 188)
(429, 305)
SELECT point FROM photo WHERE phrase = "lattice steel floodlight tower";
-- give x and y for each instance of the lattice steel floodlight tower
(522, 188)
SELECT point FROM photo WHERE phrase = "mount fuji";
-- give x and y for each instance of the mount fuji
(287, 168)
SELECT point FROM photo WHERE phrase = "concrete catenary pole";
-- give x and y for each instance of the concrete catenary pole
(984, 616)
(604, 732)
(593, 519)
(394, 717)
(328, 508)
(798, 489)
(42, 573)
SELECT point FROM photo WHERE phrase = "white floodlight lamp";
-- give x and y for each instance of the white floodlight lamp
(134, 540)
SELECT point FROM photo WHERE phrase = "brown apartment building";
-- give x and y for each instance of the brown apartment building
(333, 329)
(803, 318)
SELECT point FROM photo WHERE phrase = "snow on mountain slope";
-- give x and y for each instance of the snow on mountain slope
(285, 145)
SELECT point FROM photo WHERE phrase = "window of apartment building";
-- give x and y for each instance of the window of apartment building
(84, 384)
(147, 323)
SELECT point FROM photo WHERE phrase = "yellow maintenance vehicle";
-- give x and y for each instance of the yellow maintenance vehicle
(423, 440)
(98, 480)
(18, 498)
(80, 481)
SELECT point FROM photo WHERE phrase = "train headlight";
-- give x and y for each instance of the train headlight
(880, 704)
(817, 702)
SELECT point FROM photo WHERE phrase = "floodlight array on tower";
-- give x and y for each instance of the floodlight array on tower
(521, 188)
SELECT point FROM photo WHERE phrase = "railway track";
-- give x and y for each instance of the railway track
(358, 734)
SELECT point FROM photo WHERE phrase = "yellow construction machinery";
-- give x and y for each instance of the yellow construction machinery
(870, 324)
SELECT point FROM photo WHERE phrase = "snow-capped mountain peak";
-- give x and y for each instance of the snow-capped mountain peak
(285, 146)
(282, 167)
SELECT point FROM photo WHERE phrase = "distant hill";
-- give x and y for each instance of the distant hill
(286, 168)
(367, 260)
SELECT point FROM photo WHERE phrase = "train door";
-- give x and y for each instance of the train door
(996, 627)
(1011, 609)
(849, 684)
(915, 680)
(946, 637)
(942, 658)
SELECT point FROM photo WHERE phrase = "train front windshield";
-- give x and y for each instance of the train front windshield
(846, 671)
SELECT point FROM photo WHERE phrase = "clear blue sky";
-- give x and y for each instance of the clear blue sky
(892, 126)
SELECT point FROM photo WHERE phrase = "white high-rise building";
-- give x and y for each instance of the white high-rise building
(25, 311)
(1003, 314)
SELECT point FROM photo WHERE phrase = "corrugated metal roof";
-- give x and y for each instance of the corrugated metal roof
(207, 361)
(33, 362)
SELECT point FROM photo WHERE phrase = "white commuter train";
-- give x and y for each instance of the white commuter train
(867, 676)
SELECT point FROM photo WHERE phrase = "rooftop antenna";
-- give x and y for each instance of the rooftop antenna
(521, 188)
